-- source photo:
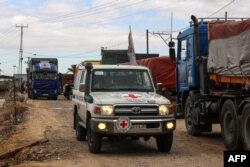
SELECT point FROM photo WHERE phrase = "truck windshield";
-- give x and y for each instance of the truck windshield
(121, 80)
(45, 76)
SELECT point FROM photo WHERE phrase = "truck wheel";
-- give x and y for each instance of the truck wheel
(94, 140)
(245, 124)
(55, 98)
(192, 129)
(80, 131)
(230, 126)
(164, 142)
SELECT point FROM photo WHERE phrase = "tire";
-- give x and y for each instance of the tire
(94, 140)
(245, 124)
(192, 129)
(55, 98)
(164, 142)
(230, 126)
(81, 132)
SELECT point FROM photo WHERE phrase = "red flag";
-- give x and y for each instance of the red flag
(131, 49)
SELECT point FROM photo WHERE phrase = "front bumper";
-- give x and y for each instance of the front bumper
(133, 126)
(45, 93)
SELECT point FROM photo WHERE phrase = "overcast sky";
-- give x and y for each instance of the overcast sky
(75, 30)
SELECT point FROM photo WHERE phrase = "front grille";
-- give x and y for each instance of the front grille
(130, 110)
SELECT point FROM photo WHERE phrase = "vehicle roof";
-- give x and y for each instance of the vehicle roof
(119, 67)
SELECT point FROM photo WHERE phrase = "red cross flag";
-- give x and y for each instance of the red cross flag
(131, 49)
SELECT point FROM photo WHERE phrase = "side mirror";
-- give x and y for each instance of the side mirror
(30, 75)
(82, 87)
(159, 88)
(172, 53)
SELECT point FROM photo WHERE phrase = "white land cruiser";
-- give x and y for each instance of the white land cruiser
(120, 101)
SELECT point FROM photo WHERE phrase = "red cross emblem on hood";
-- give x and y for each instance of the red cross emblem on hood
(131, 95)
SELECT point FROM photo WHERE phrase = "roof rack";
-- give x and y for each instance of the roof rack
(208, 19)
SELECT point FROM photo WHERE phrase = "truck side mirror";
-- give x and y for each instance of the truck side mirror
(82, 87)
(172, 53)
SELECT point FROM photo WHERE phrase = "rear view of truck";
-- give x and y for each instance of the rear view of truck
(213, 77)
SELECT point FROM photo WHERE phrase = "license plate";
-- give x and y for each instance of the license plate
(45, 94)
(139, 126)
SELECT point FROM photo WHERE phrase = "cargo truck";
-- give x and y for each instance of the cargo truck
(42, 78)
(213, 75)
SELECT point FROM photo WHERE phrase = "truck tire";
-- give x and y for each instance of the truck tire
(245, 124)
(230, 126)
(164, 142)
(192, 129)
(94, 139)
(80, 130)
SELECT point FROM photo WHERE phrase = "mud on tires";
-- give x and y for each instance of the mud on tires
(80, 130)
(94, 139)
(230, 126)
(192, 129)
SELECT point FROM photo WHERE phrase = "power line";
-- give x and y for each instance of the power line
(6, 33)
(89, 10)
(94, 13)
(8, 38)
(223, 7)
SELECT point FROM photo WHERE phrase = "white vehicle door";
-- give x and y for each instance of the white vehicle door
(82, 104)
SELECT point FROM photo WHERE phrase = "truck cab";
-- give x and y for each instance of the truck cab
(120, 101)
(187, 74)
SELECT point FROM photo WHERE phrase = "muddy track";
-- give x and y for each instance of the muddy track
(52, 120)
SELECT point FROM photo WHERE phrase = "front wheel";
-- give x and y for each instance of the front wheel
(80, 131)
(245, 124)
(230, 126)
(192, 129)
(164, 142)
(94, 139)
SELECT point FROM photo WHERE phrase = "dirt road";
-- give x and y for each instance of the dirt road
(51, 122)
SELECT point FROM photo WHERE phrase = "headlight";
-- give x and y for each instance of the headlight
(107, 110)
(35, 91)
(163, 110)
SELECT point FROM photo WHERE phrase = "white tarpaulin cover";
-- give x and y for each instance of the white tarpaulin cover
(229, 48)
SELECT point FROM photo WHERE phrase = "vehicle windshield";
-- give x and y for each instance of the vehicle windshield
(45, 76)
(121, 80)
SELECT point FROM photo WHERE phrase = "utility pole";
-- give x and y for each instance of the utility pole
(169, 40)
(21, 51)
(14, 67)
(147, 41)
